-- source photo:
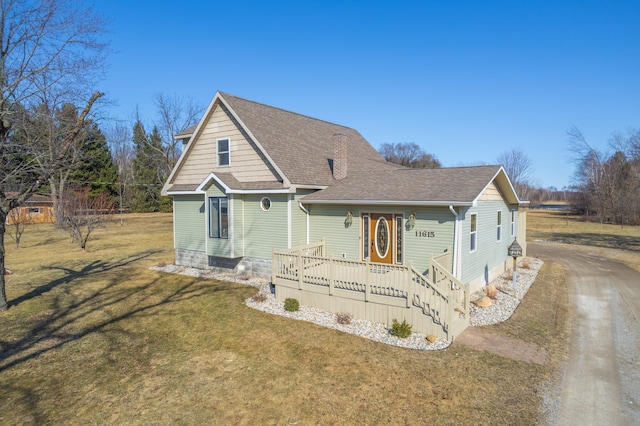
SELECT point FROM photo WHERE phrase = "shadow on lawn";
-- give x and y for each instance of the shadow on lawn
(71, 318)
(92, 268)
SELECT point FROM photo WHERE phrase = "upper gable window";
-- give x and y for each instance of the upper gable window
(224, 155)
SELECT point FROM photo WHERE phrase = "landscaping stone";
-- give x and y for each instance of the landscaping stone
(484, 302)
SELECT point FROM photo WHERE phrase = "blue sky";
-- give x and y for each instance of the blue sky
(466, 80)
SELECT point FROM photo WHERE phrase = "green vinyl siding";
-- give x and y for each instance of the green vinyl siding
(432, 234)
(265, 230)
(298, 220)
(328, 222)
(189, 222)
(489, 251)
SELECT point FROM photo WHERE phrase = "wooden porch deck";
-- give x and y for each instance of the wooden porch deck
(437, 304)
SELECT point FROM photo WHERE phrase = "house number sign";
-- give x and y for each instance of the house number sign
(425, 234)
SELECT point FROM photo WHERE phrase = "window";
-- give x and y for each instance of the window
(218, 217)
(399, 239)
(473, 240)
(513, 223)
(365, 237)
(223, 152)
(265, 204)
(499, 227)
(34, 210)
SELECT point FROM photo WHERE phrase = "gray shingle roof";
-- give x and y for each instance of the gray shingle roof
(460, 185)
(302, 146)
(229, 180)
(186, 132)
(182, 187)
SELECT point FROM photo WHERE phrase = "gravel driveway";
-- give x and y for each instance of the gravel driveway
(600, 382)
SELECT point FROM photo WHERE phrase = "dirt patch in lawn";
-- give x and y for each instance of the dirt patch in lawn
(497, 344)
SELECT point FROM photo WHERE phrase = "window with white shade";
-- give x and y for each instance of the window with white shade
(473, 236)
(224, 152)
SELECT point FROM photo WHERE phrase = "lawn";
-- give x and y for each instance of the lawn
(97, 337)
(608, 240)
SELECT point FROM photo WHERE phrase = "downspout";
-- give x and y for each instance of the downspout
(307, 213)
(456, 246)
(243, 236)
(289, 224)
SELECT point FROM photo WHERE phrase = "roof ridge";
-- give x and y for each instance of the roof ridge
(223, 94)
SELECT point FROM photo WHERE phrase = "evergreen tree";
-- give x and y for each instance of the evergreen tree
(149, 171)
(96, 169)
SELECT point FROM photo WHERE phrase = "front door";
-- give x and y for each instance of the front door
(381, 238)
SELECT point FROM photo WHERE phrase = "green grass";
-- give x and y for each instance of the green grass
(96, 337)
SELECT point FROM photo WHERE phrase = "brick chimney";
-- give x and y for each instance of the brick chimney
(339, 156)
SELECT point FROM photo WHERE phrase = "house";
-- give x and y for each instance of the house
(36, 209)
(305, 202)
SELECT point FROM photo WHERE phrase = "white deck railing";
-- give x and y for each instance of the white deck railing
(439, 295)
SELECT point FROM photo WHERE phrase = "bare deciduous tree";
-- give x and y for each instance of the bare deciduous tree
(519, 168)
(408, 154)
(122, 152)
(609, 183)
(175, 113)
(49, 55)
(84, 214)
(18, 220)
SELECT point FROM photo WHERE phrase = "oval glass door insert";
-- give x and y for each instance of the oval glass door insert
(382, 237)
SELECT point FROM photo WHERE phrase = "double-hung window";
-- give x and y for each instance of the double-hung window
(218, 217)
(224, 152)
(513, 223)
(473, 236)
(499, 226)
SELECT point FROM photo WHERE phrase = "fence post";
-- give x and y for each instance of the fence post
(367, 279)
(300, 271)
(466, 302)
(275, 268)
(331, 274)
(450, 312)
(407, 280)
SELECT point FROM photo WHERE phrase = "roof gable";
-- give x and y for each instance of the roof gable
(300, 149)
(249, 162)
(302, 146)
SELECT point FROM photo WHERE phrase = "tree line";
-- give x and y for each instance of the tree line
(607, 182)
(52, 57)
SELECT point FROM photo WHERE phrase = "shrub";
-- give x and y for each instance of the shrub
(259, 297)
(343, 318)
(526, 263)
(162, 264)
(401, 330)
(291, 305)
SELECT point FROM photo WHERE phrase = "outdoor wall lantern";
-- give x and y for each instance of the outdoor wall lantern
(349, 220)
(514, 251)
(412, 219)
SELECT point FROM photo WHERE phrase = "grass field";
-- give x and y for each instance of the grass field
(96, 337)
(613, 241)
